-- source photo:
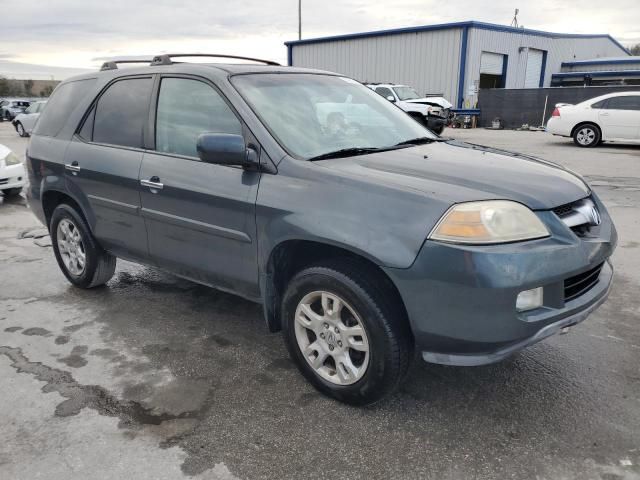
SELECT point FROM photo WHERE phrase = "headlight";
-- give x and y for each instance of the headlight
(12, 159)
(492, 221)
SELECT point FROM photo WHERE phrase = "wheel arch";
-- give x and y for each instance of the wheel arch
(292, 255)
(586, 122)
(51, 198)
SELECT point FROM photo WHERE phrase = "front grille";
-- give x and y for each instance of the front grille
(4, 181)
(581, 283)
(579, 216)
(563, 210)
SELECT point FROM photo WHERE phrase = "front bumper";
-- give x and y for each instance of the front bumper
(461, 299)
(12, 176)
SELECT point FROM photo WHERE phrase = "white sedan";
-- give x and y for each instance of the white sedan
(609, 118)
(12, 174)
(25, 121)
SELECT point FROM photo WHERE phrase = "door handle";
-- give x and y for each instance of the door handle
(73, 167)
(153, 183)
(604, 114)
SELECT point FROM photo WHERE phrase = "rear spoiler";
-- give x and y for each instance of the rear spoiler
(558, 105)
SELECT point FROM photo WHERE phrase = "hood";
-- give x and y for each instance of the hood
(436, 101)
(460, 172)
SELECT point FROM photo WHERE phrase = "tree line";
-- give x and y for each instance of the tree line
(22, 88)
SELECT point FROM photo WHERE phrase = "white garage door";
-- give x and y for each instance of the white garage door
(534, 68)
(491, 63)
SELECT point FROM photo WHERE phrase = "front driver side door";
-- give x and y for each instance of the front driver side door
(200, 217)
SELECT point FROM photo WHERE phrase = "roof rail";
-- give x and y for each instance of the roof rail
(113, 64)
(165, 59)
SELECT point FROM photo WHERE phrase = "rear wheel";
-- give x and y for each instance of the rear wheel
(345, 334)
(82, 260)
(587, 135)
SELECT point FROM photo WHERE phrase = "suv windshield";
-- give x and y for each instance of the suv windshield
(312, 115)
(406, 93)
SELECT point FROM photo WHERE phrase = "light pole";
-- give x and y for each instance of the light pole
(299, 19)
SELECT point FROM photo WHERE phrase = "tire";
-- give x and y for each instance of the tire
(366, 302)
(11, 192)
(99, 266)
(21, 131)
(587, 135)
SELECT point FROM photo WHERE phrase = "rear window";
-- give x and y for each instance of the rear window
(63, 101)
(121, 113)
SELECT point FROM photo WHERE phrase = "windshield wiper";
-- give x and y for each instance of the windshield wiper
(346, 152)
(420, 141)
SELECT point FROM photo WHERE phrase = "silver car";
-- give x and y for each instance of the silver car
(25, 122)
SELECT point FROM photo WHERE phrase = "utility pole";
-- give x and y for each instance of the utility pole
(299, 19)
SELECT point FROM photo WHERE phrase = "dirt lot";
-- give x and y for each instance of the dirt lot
(153, 377)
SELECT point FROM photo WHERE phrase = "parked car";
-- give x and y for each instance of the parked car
(24, 122)
(614, 117)
(10, 107)
(430, 111)
(12, 174)
(363, 235)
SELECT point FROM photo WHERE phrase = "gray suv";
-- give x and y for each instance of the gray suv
(365, 237)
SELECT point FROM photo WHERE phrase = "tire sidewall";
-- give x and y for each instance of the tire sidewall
(596, 140)
(372, 385)
(21, 131)
(61, 212)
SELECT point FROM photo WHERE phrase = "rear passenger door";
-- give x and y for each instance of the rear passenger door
(620, 118)
(200, 217)
(103, 163)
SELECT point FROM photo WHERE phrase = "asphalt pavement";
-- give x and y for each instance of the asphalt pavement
(154, 377)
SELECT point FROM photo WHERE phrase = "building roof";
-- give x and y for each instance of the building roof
(445, 26)
(603, 61)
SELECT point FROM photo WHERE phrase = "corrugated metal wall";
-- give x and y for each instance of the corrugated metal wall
(427, 61)
(515, 46)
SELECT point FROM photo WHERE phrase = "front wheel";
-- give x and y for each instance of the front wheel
(345, 333)
(587, 135)
(82, 260)
(20, 129)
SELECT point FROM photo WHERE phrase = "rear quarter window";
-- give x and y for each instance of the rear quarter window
(62, 102)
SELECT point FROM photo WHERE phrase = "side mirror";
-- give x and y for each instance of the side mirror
(391, 98)
(225, 149)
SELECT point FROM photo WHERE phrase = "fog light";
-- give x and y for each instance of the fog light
(529, 299)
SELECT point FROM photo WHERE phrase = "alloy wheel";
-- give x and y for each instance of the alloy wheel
(332, 338)
(71, 247)
(586, 136)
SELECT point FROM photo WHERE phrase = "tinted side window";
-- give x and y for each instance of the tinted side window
(187, 108)
(599, 104)
(629, 102)
(63, 101)
(121, 113)
(384, 91)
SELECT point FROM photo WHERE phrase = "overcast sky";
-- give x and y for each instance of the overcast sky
(75, 33)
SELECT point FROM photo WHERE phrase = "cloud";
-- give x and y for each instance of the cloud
(83, 33)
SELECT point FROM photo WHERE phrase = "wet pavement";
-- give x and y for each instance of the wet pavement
(154, 377)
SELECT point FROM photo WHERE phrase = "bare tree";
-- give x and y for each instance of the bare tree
(28, 86)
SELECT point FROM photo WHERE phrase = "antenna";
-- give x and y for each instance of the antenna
(514, 22)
